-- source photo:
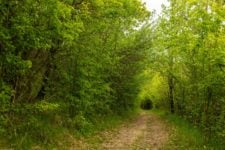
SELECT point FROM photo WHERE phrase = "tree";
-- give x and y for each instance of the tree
(188, 46)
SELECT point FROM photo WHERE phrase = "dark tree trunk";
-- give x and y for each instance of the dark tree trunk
(171, 94)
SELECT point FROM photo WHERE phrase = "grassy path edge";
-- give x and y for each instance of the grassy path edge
(184, 136)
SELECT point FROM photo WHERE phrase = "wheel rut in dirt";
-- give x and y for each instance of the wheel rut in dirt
(148, 131)
(128, 134)
(145, 132)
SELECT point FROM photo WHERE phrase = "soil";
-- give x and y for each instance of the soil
(146, 132)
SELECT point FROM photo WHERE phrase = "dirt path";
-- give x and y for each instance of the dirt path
(155, 136)
(146, 132)
(128, 135)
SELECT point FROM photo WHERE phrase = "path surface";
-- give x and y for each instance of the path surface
(128, 134)
(146, 132)
(155, 135)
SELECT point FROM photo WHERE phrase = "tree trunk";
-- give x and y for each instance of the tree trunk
(171, 94)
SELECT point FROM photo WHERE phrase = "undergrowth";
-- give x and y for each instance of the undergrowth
(185, 136)
(56, 132)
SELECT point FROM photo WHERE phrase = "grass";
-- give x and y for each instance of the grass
(95, 135)
(107, 122)
(42, 132)
(184, 136)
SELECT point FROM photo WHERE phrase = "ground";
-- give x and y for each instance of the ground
(145, 132)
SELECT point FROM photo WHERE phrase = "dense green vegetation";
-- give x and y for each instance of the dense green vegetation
(183, 135)
(65, 64)
(187, 69)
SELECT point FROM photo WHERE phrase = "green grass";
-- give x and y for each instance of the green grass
(96, 134)
(45, 133)
(184, 136)
(101, 123)
(106, 123)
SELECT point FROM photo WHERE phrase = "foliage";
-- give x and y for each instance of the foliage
(182, 134)
(64, 63)
(188, 52)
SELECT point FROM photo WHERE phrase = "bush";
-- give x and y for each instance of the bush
(146, 104)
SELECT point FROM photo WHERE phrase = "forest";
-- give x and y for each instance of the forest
(69, 68)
